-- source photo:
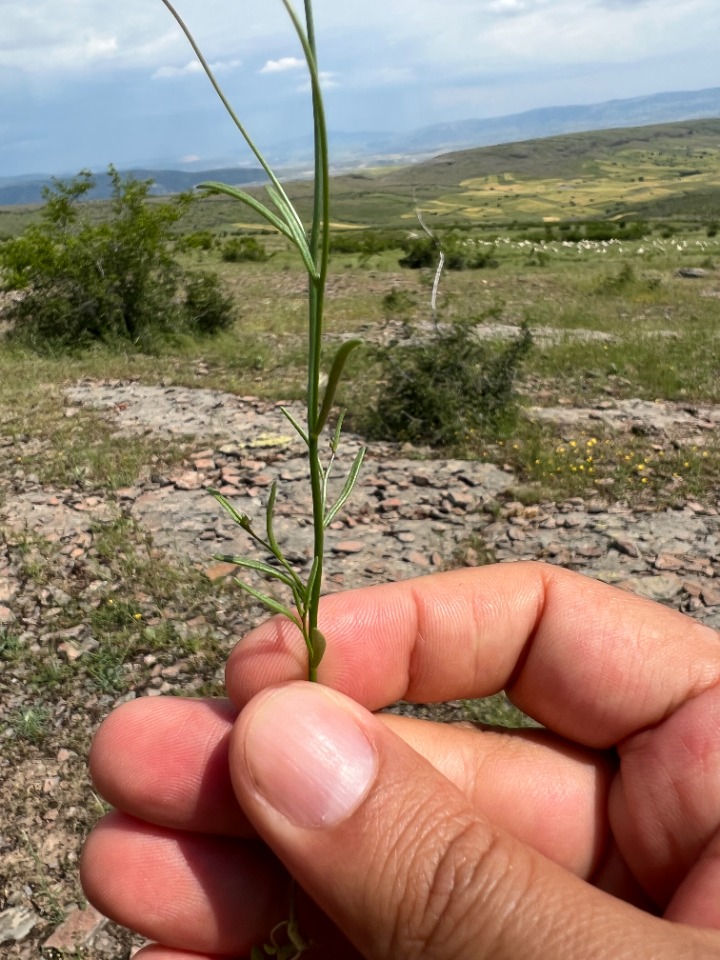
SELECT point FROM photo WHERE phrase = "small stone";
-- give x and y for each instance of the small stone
(463, 500)
(692, 273)
(664, 587)
(421, 479)
(71, 651)
(6, 614)
(589, 550)
(127, 493)
(711, 594)
(626, 546)
(8, 589)
(220, 570)
(406, 537)
(16, 923)
(692, 588)
(667, 561)
(190, 480)
(348, 546)
(206, 463)
(419, 559)
(77, 930)
(391, 503)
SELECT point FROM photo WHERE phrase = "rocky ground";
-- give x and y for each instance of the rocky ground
(408, 516)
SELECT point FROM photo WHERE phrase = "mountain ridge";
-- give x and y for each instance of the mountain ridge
(371, 149)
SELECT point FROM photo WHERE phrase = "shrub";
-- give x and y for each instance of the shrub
(198, 240)
(239, 249)
(420, 252)
(397, 304)
(85, 282)
(366, 242)
(207, 309)
(448, 390)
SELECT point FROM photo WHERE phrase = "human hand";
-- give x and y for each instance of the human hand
(598, 837)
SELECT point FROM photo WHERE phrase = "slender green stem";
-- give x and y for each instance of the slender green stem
(314, 249)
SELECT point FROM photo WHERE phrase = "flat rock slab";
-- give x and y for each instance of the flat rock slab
(406, 516)
(653, 416)
(51, 517)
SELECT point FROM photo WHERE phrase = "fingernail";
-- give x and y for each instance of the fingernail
(308, 757)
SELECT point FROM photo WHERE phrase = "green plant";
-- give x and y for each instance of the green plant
(448, 390)
(239, 249)
(314, 250)
(114, 281)
(207, 309)
(30, 723)
(420, 252)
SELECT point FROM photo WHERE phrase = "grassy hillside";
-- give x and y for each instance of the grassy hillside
(664, 171)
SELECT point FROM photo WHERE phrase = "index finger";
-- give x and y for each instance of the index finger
(590, 661)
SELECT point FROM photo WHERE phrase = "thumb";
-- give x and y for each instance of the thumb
(396, 856)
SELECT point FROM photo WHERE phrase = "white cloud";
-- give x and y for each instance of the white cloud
(166, 73)
(328, 81)
(282, 65)
(194, 66)
(507, 6)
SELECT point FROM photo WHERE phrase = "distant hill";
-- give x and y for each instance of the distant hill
(353, 150)
(26, 190)
(664, 171)
(529, 125)
(669, 170)
(552, 121)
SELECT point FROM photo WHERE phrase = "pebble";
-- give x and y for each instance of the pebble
(77, 930)
(414, 515)
(16, 923)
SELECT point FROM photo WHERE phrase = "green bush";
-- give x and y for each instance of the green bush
(450, 390)
(207, 309)
(459, 255)
(366, 242)
(239, 249)
(83, 282)
(420, 252)
(198, 240)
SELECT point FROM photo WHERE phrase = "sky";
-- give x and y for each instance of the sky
(85, 83)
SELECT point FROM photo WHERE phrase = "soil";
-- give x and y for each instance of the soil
(408, 517)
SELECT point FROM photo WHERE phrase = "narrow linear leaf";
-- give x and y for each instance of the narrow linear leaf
(287, 210)
(240, 518)
(335, 442)
(295, 582)
(212, 186)
(269, 517)
(289, 230)
(260, 566)
(286, 413)
(295, 227)
(313, 576)
(347, 488)
(335, 372)
(274, 605)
